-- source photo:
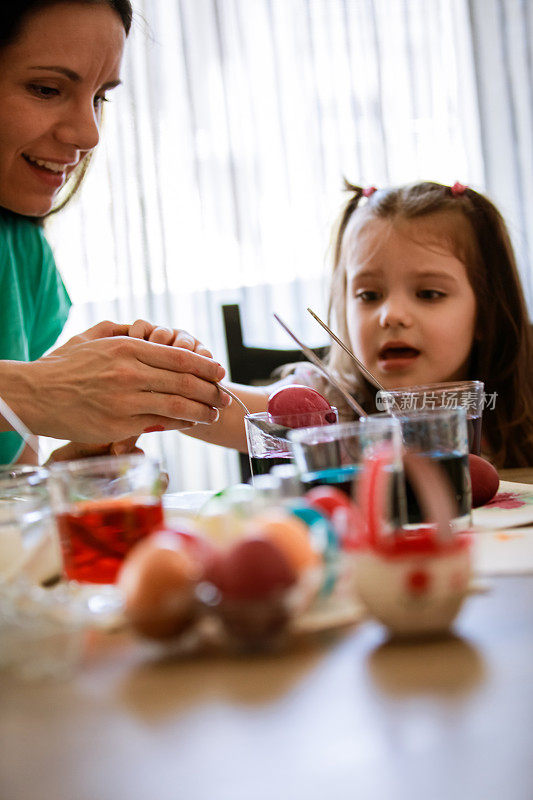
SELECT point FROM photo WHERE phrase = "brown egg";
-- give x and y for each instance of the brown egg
(158, 579)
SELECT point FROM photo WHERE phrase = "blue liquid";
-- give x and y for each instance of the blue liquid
(341, 477)
(455, 470)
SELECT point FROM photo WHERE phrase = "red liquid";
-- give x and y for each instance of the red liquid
(96, 537)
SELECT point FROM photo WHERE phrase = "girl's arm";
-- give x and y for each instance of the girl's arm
(228, 431)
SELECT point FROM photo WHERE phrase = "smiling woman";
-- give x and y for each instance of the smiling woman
(53, 89)
(58, 59)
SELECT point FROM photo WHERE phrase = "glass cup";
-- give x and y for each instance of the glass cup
(334, 455)
(469, 395)
(104, 506)
(27, 535)
(440, 435)
(267, 436)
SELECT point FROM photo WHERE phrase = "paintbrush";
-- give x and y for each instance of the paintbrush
(373, 380)
(16, 423)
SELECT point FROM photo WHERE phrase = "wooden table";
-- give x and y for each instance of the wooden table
(348, 716)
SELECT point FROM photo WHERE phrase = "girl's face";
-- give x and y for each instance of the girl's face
(53, 82)
(411, 311)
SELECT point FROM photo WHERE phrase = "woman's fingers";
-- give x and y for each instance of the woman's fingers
(178, 359)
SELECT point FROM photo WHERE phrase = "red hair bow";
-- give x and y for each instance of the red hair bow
(458, 189)
(369, 191)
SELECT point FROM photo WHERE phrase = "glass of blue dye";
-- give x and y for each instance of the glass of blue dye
(334, 455)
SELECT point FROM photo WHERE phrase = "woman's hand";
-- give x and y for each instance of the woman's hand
(105, 385)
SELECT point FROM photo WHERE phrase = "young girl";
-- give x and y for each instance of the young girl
(424, 289)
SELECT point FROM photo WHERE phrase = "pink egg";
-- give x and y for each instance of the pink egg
(299, 407)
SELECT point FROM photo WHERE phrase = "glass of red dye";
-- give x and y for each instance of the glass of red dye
(103, 507)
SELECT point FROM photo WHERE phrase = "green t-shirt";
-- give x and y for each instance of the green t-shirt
(34, 303)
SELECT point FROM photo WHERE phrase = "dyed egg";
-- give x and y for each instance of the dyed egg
(253, 578)
(252, 568)
(296, 406)
(321, 532)
(327, 499)
(289, 534)
(485, 480)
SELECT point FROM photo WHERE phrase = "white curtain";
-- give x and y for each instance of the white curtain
(502, 39)
(220, 169)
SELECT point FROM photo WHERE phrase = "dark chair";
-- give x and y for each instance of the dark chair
(254, 366)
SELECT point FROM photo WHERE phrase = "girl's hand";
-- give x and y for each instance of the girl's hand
(75, 450)
(105, 385)
(141, 329)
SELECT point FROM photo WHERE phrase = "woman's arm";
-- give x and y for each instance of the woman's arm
(105, 386)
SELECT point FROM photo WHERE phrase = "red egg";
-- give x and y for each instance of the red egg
(327, 499)
(252, 568)
(299, 407)
(485, 480)
(253, 577)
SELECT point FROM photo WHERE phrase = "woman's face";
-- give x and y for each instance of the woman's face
(53, 82)
(411, 311)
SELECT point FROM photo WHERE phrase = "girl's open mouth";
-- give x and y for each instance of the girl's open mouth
(398, 352)
(393, 356)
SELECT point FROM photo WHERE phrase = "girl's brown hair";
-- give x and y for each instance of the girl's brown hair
(502, 351)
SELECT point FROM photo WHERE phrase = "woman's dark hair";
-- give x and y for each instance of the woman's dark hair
(502, 351)
(13, 15)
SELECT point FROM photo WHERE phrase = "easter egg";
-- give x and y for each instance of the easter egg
(321, 531)
(327, 499)
(186, 534)
(158, 579)
(299, 407)
(485, 480)
(289, 534)
(252, 568)
(253, 577)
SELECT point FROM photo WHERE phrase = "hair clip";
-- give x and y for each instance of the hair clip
(458, 189)
(369, 191)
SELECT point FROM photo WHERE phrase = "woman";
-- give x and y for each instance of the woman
(58, 60)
